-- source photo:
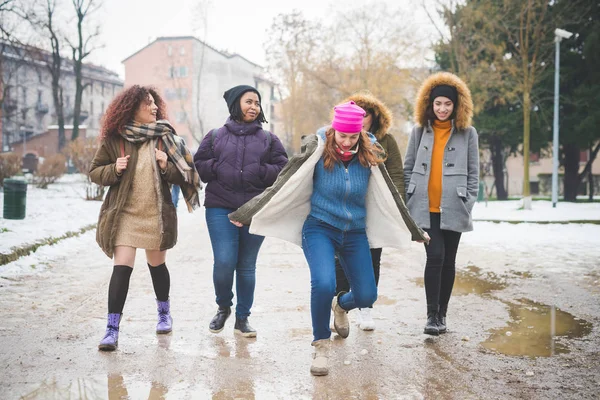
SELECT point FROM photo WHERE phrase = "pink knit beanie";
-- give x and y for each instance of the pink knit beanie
(348, 118)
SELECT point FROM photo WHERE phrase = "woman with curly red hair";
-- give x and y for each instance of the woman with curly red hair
(139, 157)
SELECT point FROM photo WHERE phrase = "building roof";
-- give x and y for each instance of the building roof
(36, 55)
(173, 38)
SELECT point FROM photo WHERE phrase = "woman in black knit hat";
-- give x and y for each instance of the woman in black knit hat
(238, 161)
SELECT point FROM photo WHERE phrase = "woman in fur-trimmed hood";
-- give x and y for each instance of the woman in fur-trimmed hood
(377, 121)
(441, 174)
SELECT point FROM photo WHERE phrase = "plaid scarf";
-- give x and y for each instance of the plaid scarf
(176, 151)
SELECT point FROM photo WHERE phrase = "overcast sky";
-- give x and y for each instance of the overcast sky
(233, 25)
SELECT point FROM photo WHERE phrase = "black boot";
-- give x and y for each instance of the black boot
(243, 328)
(442, 318)
(431, 328)
(218, 322)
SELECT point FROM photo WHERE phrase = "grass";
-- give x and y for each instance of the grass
(18, 252)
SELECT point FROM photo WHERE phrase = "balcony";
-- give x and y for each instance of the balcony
(9, 105)
(41, 108)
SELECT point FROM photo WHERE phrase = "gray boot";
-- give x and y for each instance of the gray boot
(340, 318)
(319, 366)
(111, 337)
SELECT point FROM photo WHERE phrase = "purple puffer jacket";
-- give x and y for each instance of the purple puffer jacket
(239, 164)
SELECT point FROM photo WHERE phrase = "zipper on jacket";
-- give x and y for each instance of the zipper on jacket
(346, 198)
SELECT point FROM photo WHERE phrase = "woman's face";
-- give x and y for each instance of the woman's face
(146, 112)
(442, 108)
(346, 141)
(250, 106)
(367, 122)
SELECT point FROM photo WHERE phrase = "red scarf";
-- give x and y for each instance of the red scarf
(346, 156)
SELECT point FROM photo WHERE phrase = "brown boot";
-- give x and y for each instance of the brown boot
(340, 318)
(319, 366)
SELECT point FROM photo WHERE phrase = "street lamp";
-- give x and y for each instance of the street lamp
(559, 35)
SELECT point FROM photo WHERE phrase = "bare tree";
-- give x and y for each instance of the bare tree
(81, 49)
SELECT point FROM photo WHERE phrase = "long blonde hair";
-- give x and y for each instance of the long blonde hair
(368, 154)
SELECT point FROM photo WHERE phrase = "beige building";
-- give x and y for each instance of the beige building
(28, 107)
(540, 174)
(192, 76)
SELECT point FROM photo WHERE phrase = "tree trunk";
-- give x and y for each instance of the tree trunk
(526, 133)
(498, 167)
(571, 178)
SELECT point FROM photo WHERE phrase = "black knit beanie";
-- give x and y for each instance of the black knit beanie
(234, 94)
(445, 91)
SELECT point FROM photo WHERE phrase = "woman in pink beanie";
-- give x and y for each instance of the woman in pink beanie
(320, 201)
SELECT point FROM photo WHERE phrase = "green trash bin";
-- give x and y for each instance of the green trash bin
(15, 194)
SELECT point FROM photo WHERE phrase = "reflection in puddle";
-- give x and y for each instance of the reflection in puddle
(113, 387)
(536, 330)
(471, 281)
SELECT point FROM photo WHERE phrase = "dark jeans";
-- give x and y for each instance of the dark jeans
(440, 268)
(235, 251)
(342, 284)
(320, 243)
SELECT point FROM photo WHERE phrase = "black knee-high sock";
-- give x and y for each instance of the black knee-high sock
(161, 281)
(118, 288)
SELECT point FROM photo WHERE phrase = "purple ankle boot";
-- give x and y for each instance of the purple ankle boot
(165, 322)
(111, 338)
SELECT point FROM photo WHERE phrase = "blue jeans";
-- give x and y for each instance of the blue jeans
(235, 251)
(175, 189)
(320, 242)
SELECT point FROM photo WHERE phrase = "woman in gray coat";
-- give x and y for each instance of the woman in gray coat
(441, 176)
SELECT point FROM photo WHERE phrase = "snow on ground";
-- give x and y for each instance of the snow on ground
(542, 211)
(49, 212)
(62, 208)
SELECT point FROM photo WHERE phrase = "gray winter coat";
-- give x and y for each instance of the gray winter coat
(460, 177)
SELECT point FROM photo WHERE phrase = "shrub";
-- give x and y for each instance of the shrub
(81, 152)
(53, 168)
(10, 165)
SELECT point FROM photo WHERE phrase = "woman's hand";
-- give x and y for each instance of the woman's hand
(161, 159)
(121, 164)
(426, 237)
(238, 224)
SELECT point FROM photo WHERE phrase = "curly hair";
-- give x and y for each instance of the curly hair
(368, 154)
(122, 109)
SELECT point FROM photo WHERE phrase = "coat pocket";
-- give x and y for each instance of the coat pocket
(462, 192)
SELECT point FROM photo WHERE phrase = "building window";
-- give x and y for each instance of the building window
(170, 51)
(534, 157)
(181, 116)
(102, 88)
(182, 51)
(91, 107)
(176, 93)
(178, 72)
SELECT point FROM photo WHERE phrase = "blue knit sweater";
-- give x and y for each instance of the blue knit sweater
(339, 194)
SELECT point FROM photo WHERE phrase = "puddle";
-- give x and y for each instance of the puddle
(119, 387)
(521, 274)
(386, 301)
(471, 281)
(536, 330)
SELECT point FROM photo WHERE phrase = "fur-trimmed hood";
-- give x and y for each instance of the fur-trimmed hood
(464, 108)
(367, 101)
